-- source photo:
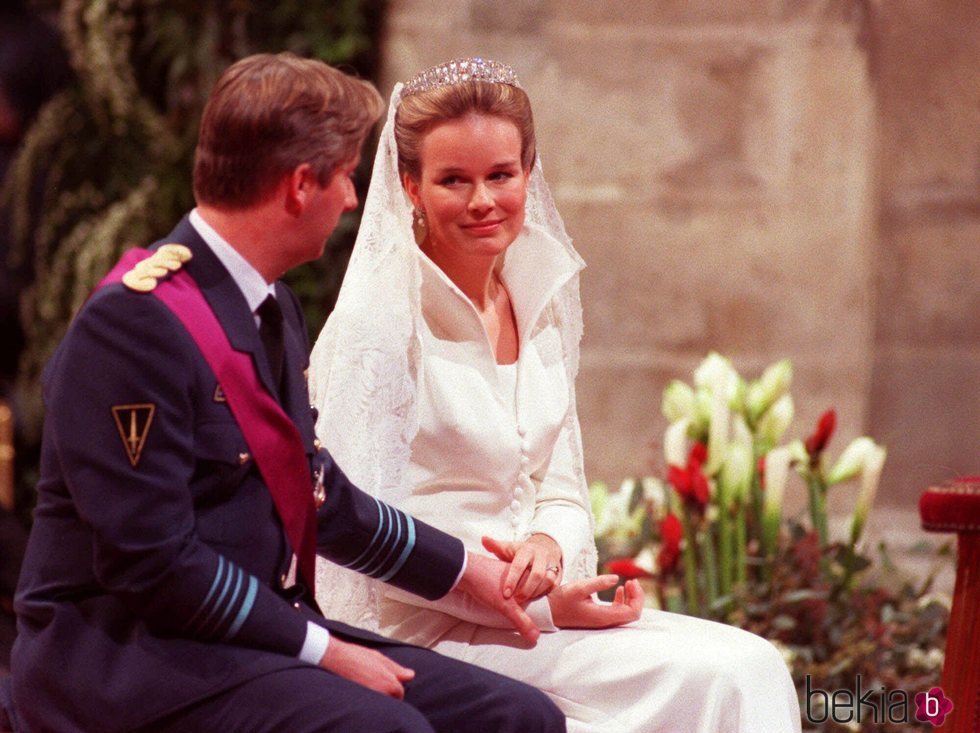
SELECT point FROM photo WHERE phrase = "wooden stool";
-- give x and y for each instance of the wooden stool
(955, 507)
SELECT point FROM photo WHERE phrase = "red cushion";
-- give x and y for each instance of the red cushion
(952, 507)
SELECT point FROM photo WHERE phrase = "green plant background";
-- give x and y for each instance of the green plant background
(112, 153)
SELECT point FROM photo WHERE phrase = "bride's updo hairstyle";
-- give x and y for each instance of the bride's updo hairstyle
(452, 91)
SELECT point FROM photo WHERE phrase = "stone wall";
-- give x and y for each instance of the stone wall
(925, 381)
(753, 177)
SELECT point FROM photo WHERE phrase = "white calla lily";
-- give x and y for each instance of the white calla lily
(770, 387)
(646, 560)
(675, 443)
(798, 455)
(678, 401)
(656, 495)
(598, 498)
(717, 374)
(870, 478)
(777, 474)
(851, 461)
(718, 432)
(775, 421)
(736, 473)
(612, 511)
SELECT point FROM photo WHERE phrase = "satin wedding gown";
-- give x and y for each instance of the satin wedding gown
(494, 455)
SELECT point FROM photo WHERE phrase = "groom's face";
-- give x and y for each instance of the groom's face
(326, 205)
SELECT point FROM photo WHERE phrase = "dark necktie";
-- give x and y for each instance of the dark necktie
(270, 330)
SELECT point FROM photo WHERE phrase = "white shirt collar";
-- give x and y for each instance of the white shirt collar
(247, 278)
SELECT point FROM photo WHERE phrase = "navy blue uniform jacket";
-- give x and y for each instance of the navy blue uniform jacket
(154, 568)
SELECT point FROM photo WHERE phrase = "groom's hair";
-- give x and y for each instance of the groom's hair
(270, 113)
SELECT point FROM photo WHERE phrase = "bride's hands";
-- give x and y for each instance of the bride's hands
(572, 606)
(535, 566)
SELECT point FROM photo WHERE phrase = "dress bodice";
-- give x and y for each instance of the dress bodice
(486, 431)
(493, 452)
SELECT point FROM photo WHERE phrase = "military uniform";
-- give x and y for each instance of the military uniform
(155, 571)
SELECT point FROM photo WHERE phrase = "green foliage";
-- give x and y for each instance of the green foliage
(113, 153)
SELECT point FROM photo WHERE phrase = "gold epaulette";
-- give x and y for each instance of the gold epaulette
(169, 258)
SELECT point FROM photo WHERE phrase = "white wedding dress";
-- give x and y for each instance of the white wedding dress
(415, 409)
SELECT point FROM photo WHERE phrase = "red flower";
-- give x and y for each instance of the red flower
(821, 436)
(626, 567)
(671, 533)
(690, 482)
(698, 454)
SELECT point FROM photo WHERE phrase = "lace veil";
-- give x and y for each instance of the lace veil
(364, 365)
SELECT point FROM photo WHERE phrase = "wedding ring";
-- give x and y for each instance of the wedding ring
(552, 569)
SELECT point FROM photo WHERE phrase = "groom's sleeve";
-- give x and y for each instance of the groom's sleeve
(359, 532)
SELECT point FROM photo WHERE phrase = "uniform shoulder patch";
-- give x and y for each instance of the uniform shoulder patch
(145, 274)
(133, 423)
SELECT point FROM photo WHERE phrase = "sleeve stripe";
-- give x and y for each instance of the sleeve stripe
(233, 599)
(207, 599)
(219, 602)
(376, 546)
(403, 558)
(246, 609)
(390, 547)
(385, 551)
(353, 563)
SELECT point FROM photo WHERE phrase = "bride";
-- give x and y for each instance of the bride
(444, 381)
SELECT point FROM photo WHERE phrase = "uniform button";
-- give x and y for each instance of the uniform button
(525, 445)
(525, 462)
(515, 521)
(243, 458)
(518, 492)
(515, 506)
(521, 431)
(296, 605)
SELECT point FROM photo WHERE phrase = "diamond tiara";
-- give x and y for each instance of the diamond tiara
(461, 70)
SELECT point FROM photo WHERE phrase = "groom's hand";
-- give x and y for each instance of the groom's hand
(367, 667)
(484, 581)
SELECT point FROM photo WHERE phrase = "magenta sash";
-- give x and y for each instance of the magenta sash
(271, 435)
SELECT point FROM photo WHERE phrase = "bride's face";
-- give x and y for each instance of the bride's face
(471, 186)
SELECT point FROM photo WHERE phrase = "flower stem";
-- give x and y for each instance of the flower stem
(741, 546)
(726, 546)
(710, 566)
(690, 564)
(818, 506)
(756, 498)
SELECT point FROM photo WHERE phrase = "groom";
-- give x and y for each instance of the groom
(168, 579)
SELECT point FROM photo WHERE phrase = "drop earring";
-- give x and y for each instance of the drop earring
(419, 225)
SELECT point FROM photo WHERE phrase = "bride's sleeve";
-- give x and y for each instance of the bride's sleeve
(560, 509)
(464, 607)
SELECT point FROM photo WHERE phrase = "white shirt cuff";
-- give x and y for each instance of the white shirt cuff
(462, 571)
(315, 646)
